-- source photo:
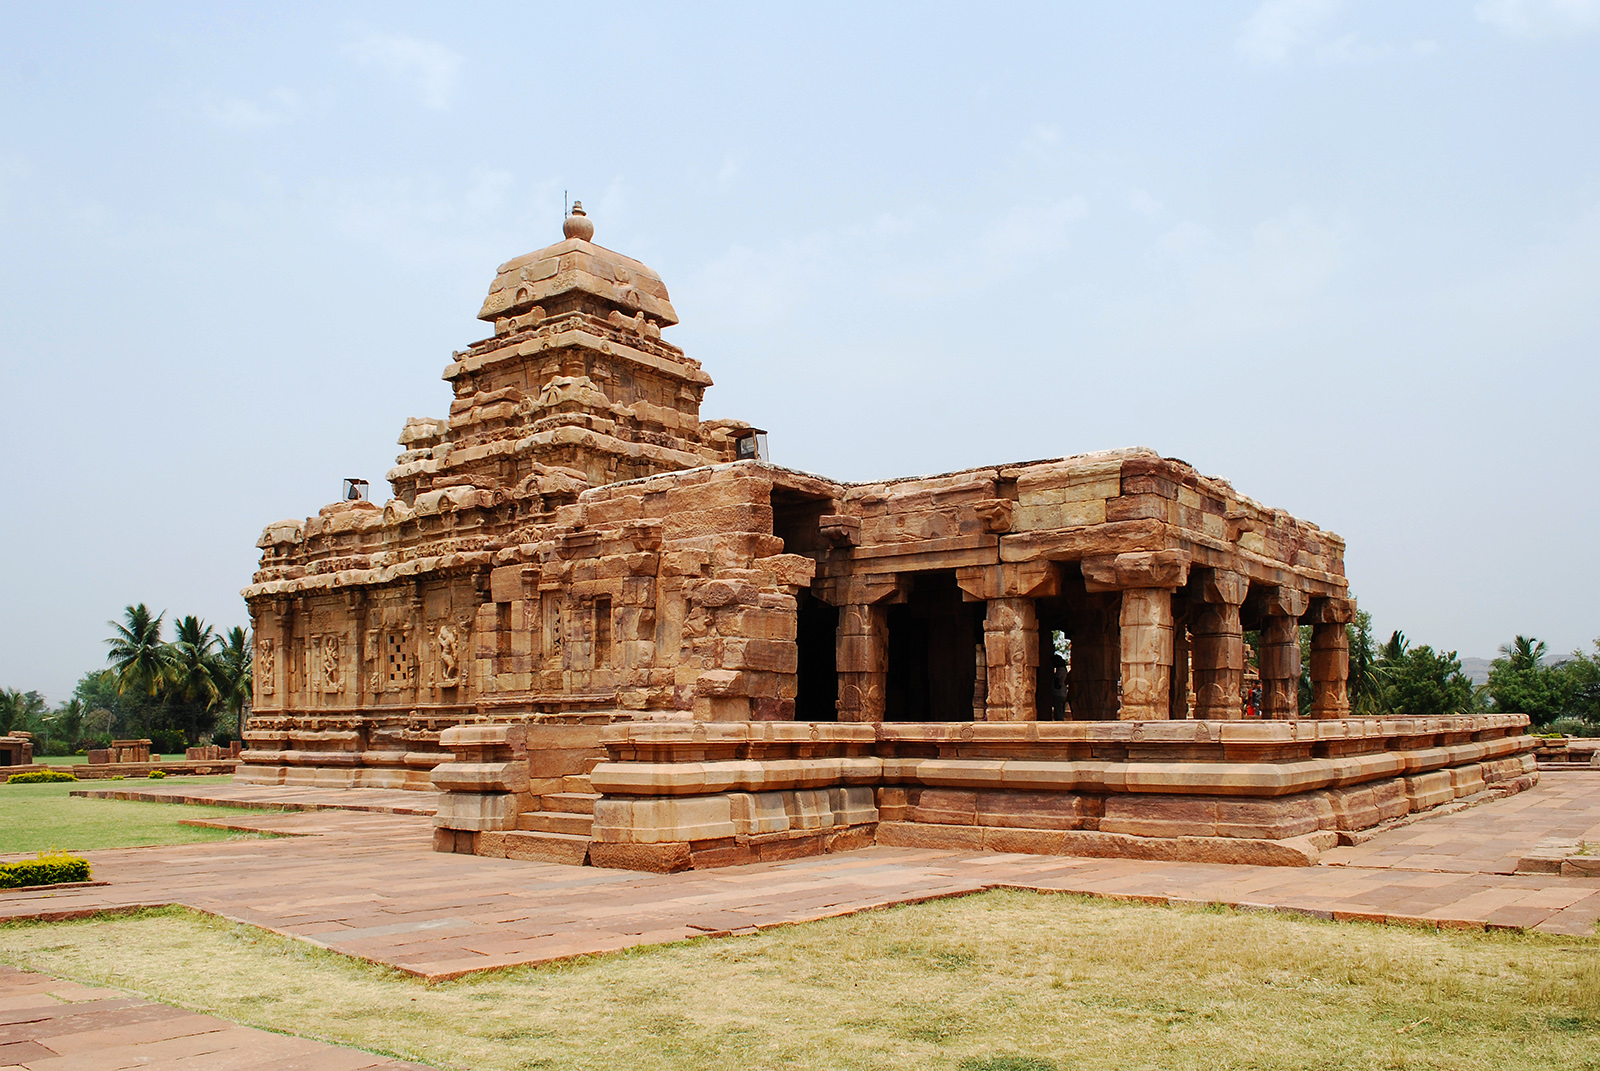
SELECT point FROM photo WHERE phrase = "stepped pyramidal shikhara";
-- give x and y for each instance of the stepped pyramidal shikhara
(608, 631)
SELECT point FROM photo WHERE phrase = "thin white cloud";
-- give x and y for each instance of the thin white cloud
(1277, 28)
(728, 173)
(237, 113)
(428, 67)
(1144, 204)
(1540, 18)
(1281, 31)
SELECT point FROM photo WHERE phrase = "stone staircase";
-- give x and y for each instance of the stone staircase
(559, 831)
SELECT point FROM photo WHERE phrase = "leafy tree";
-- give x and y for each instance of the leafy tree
(1583, 680)
(1418, 681)
(128, 714)
(138, 655)
(1521, 682)
(66, 724)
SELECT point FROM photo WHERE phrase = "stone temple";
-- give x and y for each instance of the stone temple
(610, 632)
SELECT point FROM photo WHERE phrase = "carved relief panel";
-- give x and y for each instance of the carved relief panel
(451, 641)
(326, 655)
(264, 667)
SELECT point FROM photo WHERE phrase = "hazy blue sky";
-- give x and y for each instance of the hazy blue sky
(1345, 255)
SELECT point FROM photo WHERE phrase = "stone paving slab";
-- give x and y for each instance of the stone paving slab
(52, 1025)
(366, 884)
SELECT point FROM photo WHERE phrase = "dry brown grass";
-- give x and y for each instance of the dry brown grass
(1000, 982)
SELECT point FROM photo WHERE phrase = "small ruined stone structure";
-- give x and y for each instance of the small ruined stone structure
(16, 749)
(610, 631)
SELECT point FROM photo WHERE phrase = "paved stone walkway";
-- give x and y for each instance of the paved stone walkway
(367, 885)
(1489, 838)
(47, 1024)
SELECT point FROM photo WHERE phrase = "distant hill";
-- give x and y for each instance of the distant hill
(1476, 670)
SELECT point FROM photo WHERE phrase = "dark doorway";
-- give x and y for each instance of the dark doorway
(933, 645)
(817, 678)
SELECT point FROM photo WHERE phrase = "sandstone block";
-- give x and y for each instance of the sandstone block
(478, 811)
(666, 858)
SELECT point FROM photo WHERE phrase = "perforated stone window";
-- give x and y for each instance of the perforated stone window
(397, 661)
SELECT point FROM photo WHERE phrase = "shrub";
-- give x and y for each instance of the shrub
(156, 775)
(39, 777)
(168, 741)
(1570, 726)
(51, 868)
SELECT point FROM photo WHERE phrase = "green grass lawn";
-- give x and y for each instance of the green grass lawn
(1005, 981)
(61, 760)
(39, 817)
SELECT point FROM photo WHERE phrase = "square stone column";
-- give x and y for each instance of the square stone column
(1146, 622)
(1219, 648)
(1011, 650)
(863, 661)
(1147, 580)
(1096, 660)
(1330, 657)
(1280, 653)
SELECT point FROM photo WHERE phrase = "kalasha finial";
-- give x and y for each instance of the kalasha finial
(578, 225)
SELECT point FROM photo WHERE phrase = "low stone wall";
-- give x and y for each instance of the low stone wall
(133, 770)
(673, 795)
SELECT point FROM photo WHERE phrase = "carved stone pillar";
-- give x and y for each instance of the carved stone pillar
(1330, 657)
(1011, 649)
(1147, 580)
(1219, 648)
(1096, 660)
(863, 661)
(1146, 622)
(1280, 653)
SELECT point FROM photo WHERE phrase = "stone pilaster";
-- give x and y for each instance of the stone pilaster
(1147, 581)
(1280, 653)
(1219, 648)
(1330, 657)
(1011, 650)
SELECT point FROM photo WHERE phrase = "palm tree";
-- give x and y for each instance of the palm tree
(141, 660)
(234, 677)
(193, 673)
(20, 711)
(1524, 653)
